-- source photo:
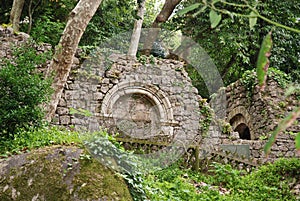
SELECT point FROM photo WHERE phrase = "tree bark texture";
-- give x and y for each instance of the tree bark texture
(136, 34)
(65, 50)
(15, 14)
(162, 17)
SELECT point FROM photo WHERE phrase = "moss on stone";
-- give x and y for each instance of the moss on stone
(59, 173)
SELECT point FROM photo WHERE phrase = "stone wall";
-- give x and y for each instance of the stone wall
(10, 40)
(155, 100)
(253, 116)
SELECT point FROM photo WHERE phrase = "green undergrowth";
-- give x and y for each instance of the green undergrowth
(32, 138)
(269, 182)
(220, 182)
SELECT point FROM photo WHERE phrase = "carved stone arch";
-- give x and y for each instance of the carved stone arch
(240, 120)
(153, 106)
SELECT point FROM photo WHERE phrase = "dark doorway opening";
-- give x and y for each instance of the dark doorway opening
(243, 131)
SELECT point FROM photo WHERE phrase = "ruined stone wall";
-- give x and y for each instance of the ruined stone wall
(9, 40)
(155, 100)
(161, 103)
(253, 116)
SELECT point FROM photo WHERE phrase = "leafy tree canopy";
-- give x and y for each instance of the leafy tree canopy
(234, 45)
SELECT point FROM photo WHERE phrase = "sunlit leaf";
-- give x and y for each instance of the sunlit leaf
(200, 11)
(298, 141)
(214, 18)
(188, 9)
(252, 20)
(263, 61)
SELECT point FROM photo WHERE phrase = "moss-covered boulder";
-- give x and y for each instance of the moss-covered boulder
(59, 173)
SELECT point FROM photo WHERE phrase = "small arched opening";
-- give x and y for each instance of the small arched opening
(239, 124)
(244, 131)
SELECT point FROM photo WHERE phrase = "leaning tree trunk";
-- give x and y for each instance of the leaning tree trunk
(136, 34)
(162, 17)
(15, 14)
(65, 50)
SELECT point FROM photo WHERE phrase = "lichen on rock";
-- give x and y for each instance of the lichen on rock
(59, 173)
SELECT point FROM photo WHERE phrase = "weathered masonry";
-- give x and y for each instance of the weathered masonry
(253, 116)
(145, 101)
(156, 100)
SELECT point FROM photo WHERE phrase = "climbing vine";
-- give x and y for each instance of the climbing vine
(249, 80)
(207, 114)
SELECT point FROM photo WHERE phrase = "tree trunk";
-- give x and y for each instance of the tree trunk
(31, 10)
(65, 50)
(162, 17)
(15, 14)
(136, 34)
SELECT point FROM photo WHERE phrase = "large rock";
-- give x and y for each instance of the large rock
(59, 173)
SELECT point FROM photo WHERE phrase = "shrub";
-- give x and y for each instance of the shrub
(22, 90)
(47, 30)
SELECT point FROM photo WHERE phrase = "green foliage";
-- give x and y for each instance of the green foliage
(109, 152)
(143, 59)
(207, 116)
(197, 81)
(225, 175)
(214, 18)
(226, 127)
(48, 20)
(30, 138)
(188, 9)
(153, 7)
(249, 79)
(22, 90)
(297, 141)
(47, 30)
(269, 182)
(280, 77)
(232, 44)
(263, 61)
(81, 111)
(112, 17)
(252, 20)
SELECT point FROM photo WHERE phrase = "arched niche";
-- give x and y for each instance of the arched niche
(244, 131)
(240, 121)
(138, 110)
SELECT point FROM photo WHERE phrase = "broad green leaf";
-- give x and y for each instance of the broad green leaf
(252, 20)
(263, 61)
(188, 9)
(200, 11)
(214, 18)
(298, 141)
(282, 126)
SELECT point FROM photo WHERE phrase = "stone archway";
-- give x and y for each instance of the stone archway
(240, 121)
(139, 110)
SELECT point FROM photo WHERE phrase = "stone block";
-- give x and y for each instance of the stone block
(64, 120)
(98, 96)
(62, 110)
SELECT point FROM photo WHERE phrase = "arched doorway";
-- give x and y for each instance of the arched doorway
(244, 131)
(240, 125)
